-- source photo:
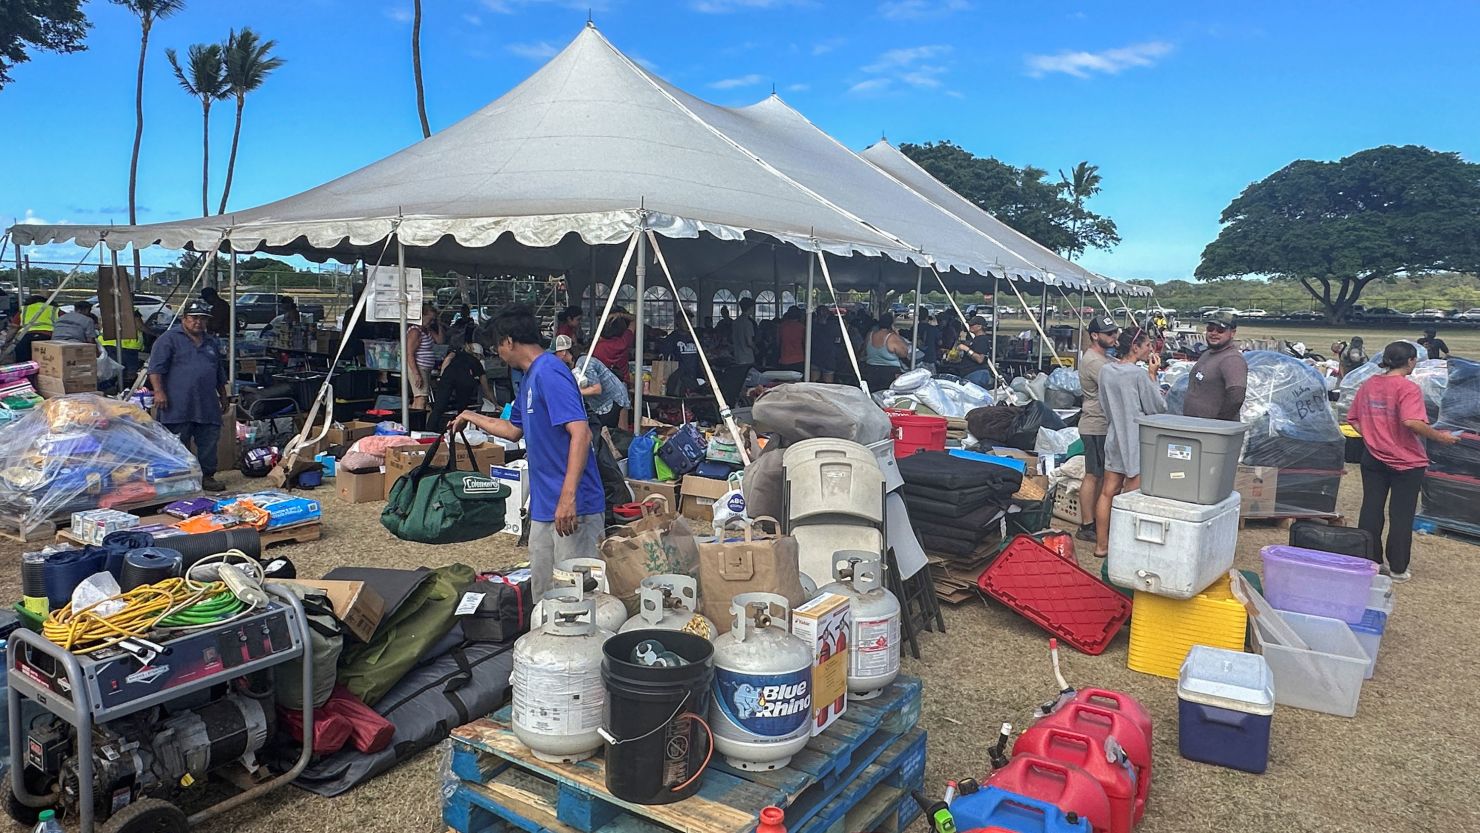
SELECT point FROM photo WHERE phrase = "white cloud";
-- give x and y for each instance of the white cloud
(735, 83)
(899, 58)
(399, 14)
(729, 6)
(540, 51)
(823, 47)
(798, 88)
(650, 66)
(473, 20)
(917, 9)
(513, 6)
(872, 85)
(1108, 62)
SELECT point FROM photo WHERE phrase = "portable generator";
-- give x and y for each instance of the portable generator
(131, 730)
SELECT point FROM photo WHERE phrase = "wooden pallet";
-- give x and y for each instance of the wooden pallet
(1284, 521)
(295, 534)
(857, 772)
(14, 528)
(1456, 529)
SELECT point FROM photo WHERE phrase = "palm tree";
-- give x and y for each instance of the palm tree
(204, 77)
(421, 96)
(1081, 183)
(148, 11)
(247, 66)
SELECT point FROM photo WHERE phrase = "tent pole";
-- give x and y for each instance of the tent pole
(1079, 313)
(231, 328)
(996, 314)
(405, 359)
(807, 307)
(117, 321)
(842, 325)
(20, 275)
(1043, 317)
(915, 337)
(641, 316)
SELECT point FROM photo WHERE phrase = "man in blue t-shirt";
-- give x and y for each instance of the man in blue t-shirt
(566, 505)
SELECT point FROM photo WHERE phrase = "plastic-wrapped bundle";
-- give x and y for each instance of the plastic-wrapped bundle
(1289, 416)
(805, 410)
(1431, 376)
(1174, 380)
(85, 451)
(1064, 379)
(1460, 406)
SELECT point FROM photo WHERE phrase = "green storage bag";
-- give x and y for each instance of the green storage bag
(445, 506)
(371, 669)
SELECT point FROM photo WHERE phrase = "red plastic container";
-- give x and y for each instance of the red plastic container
(1120, 702)
(1055, 594)
(1066, 786)
(1098, 724)
(917, 433)
(1116, 779)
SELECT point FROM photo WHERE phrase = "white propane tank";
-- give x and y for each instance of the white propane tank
(580, 572)
(762, 712)
(873, 646)
(671, 603)
(559, 697)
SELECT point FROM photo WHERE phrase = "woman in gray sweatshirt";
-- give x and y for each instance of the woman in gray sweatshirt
(1127, 392)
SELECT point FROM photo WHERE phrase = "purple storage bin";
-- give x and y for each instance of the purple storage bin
(1317, 583)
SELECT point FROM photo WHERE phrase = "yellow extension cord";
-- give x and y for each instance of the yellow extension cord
(144, 607)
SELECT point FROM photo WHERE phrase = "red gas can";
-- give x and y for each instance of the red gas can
(1109, 768)
(1101, 723)
(1121, 702)
(1063, 785)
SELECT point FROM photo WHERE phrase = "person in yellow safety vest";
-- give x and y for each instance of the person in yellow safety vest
(131, 349)
(37, 320)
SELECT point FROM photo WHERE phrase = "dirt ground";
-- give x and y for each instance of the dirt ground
(1405, 763)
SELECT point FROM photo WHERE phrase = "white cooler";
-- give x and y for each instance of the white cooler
(1169, 547)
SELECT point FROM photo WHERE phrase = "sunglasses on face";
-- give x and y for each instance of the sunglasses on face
(1217, 328)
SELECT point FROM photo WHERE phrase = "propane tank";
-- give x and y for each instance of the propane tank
(559, 697)
(582, 573)
(762, 685)
(873, 646)
(670, 603)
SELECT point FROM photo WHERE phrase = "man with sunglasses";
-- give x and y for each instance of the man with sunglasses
(1215, 390)
(1103, 335)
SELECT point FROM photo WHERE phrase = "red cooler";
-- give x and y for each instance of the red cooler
(1098, 724)
(1081, 753)
(1065, 786)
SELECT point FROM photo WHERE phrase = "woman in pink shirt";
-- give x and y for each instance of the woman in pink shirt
(1389, 414)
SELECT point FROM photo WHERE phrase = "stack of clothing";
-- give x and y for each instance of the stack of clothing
(955, 504)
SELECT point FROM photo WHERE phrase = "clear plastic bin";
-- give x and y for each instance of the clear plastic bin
(1317, 583)
(1191, 459)
(1369, 632)
(1381, 596)
(1325, 677)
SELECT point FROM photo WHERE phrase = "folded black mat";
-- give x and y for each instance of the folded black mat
(984, 517)
(940, 470)
(948, 546)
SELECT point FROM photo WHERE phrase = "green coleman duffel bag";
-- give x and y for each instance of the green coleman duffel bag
(444, 506)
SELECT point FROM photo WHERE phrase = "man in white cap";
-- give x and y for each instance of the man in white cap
(604, 393)
(188, 375)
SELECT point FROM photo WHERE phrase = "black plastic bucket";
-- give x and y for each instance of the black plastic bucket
(658, 746)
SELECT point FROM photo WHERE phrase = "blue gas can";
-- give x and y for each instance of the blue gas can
(997, 809)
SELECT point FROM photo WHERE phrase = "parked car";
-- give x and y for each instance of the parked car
(1429, 313)
(1378, 312)
(262, 307)
(900, 309)
(1004, 311)
(1471, 314)
(1254, 313)
(156, 313)
(1303, 315)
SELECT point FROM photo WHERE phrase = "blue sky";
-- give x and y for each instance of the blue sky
(1181, 104)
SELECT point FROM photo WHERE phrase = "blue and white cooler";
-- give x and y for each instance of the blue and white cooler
(1225, 705)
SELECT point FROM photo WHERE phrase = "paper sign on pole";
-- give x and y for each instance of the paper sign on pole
(383, 283)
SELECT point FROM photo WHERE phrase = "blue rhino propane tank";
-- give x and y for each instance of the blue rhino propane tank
(762, 685)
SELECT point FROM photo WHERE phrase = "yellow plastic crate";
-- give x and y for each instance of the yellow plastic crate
(1163, 630)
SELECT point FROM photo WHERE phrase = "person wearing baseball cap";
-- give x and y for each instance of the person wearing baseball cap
(603, 392)
(187, 371)
(978, 352)
(1093, 427)
(1219, 380)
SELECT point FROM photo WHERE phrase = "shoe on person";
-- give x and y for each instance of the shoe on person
(1086, 532)
(1399, 578)
(211, 484)
(1384, 571)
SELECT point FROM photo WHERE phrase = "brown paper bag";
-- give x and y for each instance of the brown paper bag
(753, 563)
(657, 543)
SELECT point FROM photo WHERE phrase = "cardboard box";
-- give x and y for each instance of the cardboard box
(65, 360)
(355, 603)
(344, 433)
(826, 623)
(1257, 489)
(516, 477)
(403, 458)
(360, 488)
(699, 495)
(641, 489)
(50, 387)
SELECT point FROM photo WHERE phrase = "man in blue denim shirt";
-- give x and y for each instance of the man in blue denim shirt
(188, 375)
(604, 393)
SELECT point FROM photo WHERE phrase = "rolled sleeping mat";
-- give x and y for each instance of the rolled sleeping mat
(67, 569)
(33, 574)
(148, 565)
(193, 548)
(121, 543)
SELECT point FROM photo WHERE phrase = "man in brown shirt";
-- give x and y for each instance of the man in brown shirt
(1103, 333)
(1216, 387)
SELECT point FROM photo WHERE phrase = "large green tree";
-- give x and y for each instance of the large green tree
(1336, 227)
(39, 25)
(1024, 198)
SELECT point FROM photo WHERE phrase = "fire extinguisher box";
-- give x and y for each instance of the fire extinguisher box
(825, 623)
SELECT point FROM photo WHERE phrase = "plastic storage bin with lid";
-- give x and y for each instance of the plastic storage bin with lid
(1325, 675)
(1164, 631)
(1317, 583)
(1188, 458)
(993, 809)
(1225, 705)
(833, 480)
(1170, 547)
(1369, 633)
